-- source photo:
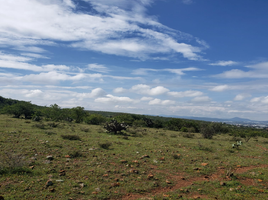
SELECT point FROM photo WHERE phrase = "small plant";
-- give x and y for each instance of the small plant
(13, 163)
(50, 133)
(188, 135)
(71, 137)
(52, 124)
(85, 129)
(76, 154)
(40, 125)
(105, 145)
(176, 156)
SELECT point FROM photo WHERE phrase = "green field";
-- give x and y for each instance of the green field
(67, 160)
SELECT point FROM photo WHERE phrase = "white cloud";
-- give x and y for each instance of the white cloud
(146, 98)
(34, 55)
(119, 28)
(98, 68)
(189, 93)
(201, 99)
(259, 70)
(119, 90)
(220, 88)
(262, 99)
(145, 89)
(240, 97)
(224, 63)
(161, 102)
(114, 99)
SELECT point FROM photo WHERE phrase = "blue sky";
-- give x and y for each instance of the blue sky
(202, 58)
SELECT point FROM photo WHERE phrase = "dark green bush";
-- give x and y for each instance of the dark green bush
(71, 137)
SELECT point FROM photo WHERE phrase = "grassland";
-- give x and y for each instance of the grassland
(64, 160)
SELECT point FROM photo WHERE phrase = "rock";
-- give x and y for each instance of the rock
(31, 167)
(135, 161)
(97, 189)
(2, 198)
(62, 173)
(150, 176)
(50, 158)
(105, 175)
(67, 156)
(59, 180)
(123, 161)
(168, 182)
(33, 158)
(162, 158)
(145, 156)
(204, 164)
(115, 185)
(52, 190)
(222, 183)
(49, 183)
(134, 171)
(196, 197)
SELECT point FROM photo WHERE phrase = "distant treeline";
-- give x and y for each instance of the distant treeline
(27, 110)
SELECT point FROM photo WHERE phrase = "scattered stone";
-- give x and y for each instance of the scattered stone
(115, 185)
(231, 189)
(196, 168)
(162, 158)
(82, 185)
(59, 180)
(252, 173)
(238, 166)
(182, 178)
(134, 171)
(150, 176)
(168, 182)
(222, 183)
(123, 161)
(52, 190)
(31, 167)
(94, 193)
(62, 173)
(135, 161)
(49, 183)
(196, 197)
(259, 180)
(204, 164)
(47, 162)
(105, 175)
(50, 158)
(33, 158)
(97, 189)
(67, 156)
(145, 156)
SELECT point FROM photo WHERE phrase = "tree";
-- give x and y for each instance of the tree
(207, 131)
(95, 119)
(78, 114)
(20, 108)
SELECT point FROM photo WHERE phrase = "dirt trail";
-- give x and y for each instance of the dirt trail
(181, 182)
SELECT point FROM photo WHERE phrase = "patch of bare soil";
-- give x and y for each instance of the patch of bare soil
(180, 182)
(263, 148)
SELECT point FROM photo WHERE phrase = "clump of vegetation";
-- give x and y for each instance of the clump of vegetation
(105, 145)
(115, 127)
(85, 129)
(188, 135)
(11, 163)
(76, 154)
(52, 124)
(39, 125)
(50, 133)
(71, 137)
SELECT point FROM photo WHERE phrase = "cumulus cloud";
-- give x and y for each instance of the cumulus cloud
(240, 97)
(262, 99)
(119, 27)
(114, 99)
(201, 99)
(259, 70)
(119, 90)
(161, 102)
(98, 68)
(146, 89)
(145, 71)
(224, 63)
(219, 88)
(189, 93)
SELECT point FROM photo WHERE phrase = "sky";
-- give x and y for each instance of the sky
(200, 58)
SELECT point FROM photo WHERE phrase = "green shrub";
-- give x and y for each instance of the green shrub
(105, 145)
(71, 137)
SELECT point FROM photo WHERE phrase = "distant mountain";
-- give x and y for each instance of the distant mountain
(231, 120)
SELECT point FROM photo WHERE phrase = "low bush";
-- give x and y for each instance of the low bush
(71, 137)
(105, 145)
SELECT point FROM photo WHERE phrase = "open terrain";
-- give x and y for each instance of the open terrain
(67, 160)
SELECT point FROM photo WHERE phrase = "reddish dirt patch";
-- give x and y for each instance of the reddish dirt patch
(263, 148)
(181, 182)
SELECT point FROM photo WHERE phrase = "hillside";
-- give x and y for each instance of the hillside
(67, 160)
